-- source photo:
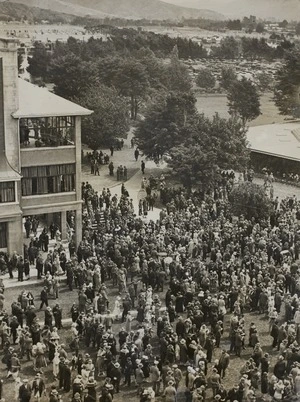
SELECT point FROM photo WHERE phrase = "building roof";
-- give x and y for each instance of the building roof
(39, 102)
(280, 140)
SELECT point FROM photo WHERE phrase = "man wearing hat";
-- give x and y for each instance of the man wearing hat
(76, 397)
(170, 392)
(223, 363)
(115, 376)
(91, 388)
(77, 386)
(25, 391)
(177, 375)
(139, 377)
(38, 387)
(155, 377)
(54, 397)
(44, 298)
(57, 313)
(215, 381)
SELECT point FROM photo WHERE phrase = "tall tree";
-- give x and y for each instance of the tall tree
(229, 48)
(207, 147)
(260, 27)
(132, 81)
(159, 131)
(109, 119)
(287, 88)
(228, 77)
(194, 166)
(39, 61)
(205, 79)
(178, 75)
(71, 76)
(250, 200)
(243, 100)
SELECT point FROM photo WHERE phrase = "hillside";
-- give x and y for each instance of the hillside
(278, 9)
(16, 12)
(133, 9)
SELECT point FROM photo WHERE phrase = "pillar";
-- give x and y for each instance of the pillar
(63, 224)
(78, 227)
(15, 236)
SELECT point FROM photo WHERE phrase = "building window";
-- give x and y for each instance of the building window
(48, 179)
(7, 192)
(3, 235)
(47, 131)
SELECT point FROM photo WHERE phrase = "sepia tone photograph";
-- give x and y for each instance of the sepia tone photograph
(149, 200)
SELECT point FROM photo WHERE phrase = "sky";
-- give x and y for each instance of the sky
(278, 9)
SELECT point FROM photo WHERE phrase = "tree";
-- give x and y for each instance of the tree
(229, 49)
(249, 199)
(72, 76)
(260, 27)
(132, 81)
(208, 146)
(297, 29)
(39, 61)
(194, 167)
(243, 100)
(234, 25)
(287, 87)
(205, 79)
(228, 77)
(265, 81)
(110, 117)
(284, 24)
(159, 131)
(178, 75)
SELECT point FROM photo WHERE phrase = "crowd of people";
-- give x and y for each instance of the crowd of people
(197, 306)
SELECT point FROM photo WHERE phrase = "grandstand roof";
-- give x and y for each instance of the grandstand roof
(280, 140)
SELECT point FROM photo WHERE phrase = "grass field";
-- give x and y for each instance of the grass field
(210, 104)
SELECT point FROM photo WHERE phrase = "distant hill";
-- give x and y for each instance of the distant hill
(279, 9)
(10, 11)
(132, 9)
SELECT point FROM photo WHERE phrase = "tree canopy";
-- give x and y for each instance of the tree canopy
(159, 131)
(208, 146)
(243, 100)
(39, 61)
(109, 120)
(71, 76)
(249, 199)
(287, 87)
(205, 79)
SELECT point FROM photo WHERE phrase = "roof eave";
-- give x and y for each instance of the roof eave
(17, 115)
(274, 154)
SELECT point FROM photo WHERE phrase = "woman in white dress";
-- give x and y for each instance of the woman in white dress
(221, 306)
(55, 362)
(117, 312)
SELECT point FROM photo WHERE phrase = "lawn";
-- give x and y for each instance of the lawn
(210, 104)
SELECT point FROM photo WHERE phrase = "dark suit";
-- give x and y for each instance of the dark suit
(38, 387)
(25, 392)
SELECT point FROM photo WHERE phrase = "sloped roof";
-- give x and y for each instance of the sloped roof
(39, 102)
(281, 140)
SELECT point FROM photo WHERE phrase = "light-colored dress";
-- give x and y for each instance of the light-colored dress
(55, 363)
(117, 312)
